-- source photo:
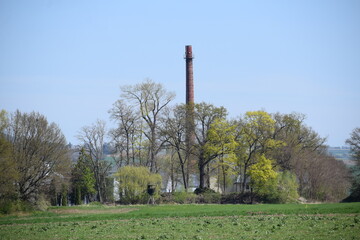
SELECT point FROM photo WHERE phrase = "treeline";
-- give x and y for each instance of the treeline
(266, 151)
(275, 156)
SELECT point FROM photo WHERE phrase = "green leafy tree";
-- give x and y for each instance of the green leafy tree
(205, 116)
(133, 184)
(56, 189)
(221, 143)
(283, 190)
(92, 138)
(77, 195)
(262, 174)
(4, 121)
(83, 179)
(272, 186)
(287, 187)
(354, 143)
(9, 174)
(255, 141)
(64, 195)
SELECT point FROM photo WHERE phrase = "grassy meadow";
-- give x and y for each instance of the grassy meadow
(263, 221)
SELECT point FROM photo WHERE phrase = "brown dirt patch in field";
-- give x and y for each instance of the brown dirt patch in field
(92, 211)
(17, 214)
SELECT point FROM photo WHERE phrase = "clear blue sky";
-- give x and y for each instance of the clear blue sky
(68, 59)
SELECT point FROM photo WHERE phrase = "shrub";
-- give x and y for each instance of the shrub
(166, 197)
(355, 188)
(238, 198)
(8, 206)
(209, 197)
(184, 197)
(95, 203)
(198, 191)
(287, 188)
(178, 197)
(231, 198)
(133, 183)
(282, 190)
(109, 192)
(42, 203)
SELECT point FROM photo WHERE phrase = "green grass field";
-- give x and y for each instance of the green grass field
(283, 221)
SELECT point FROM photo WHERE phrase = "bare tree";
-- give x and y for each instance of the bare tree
(151, 99)
(126, 134)
(321, 177)
(298, 138)
(119, 145)
(39, 150)
(92, 138)
(174, 133)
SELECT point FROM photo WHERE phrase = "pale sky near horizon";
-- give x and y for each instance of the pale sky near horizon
(67, 59)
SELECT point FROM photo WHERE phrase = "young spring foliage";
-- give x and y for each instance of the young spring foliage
(262, 174)
(83, 179)
(286, 188)
(221, 141)
(254, 139)
(205, 116)
(133, 183)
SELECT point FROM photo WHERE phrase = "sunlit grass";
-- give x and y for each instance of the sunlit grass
(289, 221)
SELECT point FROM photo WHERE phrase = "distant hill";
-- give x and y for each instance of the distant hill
(341, 153)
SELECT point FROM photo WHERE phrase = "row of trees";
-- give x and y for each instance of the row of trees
(274, 153)
(258, 146)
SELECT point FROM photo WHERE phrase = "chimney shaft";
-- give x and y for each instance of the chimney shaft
(190, 123)
(189, 75)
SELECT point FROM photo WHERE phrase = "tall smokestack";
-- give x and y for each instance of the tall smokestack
(190, 123)
(189, 75)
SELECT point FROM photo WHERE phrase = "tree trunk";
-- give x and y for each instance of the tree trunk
(98, 185)
(224, 178)
(133, 152)
(184, 175)
(152, 151)
(207, 176)
(127, 150)
(243, 184)
(202, 175)
(251, 196)
(172, 177)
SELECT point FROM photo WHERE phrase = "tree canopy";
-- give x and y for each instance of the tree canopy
(275, 156)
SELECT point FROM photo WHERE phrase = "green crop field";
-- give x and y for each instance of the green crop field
(289, 221)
